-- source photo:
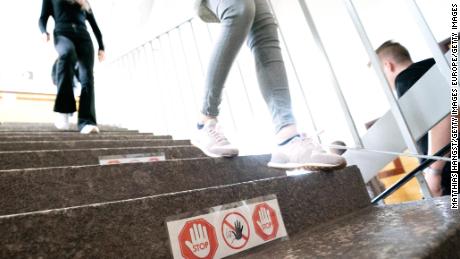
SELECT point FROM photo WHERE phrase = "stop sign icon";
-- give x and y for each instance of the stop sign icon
(265, 221)
(198, 239)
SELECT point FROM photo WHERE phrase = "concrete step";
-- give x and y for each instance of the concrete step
(135, 228)
(425, 229)
(79, 157)
(32, 131)
(41, 189)
(66, 133)
(12, 126)
(54, 137)
(81, 144)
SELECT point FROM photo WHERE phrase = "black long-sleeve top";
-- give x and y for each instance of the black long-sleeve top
(68, 17)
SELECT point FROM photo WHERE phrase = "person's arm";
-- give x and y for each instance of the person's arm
(95, 28)
(47, 10)
(97, 33)
(439, 137)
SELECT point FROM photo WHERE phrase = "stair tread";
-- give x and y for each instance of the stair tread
(79, 137)
(80, 157)
(19, 126)
(74, 144)
(64, 133)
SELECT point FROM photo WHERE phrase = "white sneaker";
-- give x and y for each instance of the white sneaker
(88, 129)
(62, 121)
(213, 142)
(302, 152)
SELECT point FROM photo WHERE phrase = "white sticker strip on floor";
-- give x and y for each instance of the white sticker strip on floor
(131, 158)
(225, 232)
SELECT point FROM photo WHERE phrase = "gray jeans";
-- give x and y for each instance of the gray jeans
(254, 20)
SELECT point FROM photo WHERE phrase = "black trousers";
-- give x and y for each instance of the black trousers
(73, 47)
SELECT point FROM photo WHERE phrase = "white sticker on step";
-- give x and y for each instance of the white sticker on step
(131, 158)
(228, 229)
(296, 172)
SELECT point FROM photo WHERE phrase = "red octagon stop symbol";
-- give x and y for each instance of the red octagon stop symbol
(198, 239)
(265, 221)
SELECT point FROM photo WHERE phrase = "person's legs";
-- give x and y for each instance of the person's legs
(54, 73)
(293, 150)
(271, 73)
(236, 18)
(63, 73)
(65, 100)
(87, 111)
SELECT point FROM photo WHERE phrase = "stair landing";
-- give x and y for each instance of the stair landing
(424, 229)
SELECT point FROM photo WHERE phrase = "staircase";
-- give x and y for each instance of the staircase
(57, 201)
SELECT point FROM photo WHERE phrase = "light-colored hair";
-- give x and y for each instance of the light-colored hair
(84, 4)
(394, 50)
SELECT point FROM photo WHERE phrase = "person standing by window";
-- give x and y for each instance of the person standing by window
(402, 73)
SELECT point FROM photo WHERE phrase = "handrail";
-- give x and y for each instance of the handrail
(410, 175)
(405, 154)
(334, 80)
(152, 39)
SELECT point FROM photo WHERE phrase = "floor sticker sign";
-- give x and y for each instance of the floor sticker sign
(265, 221)
(235, 230)
(198, 239)
(132, 158)
(227, 229)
